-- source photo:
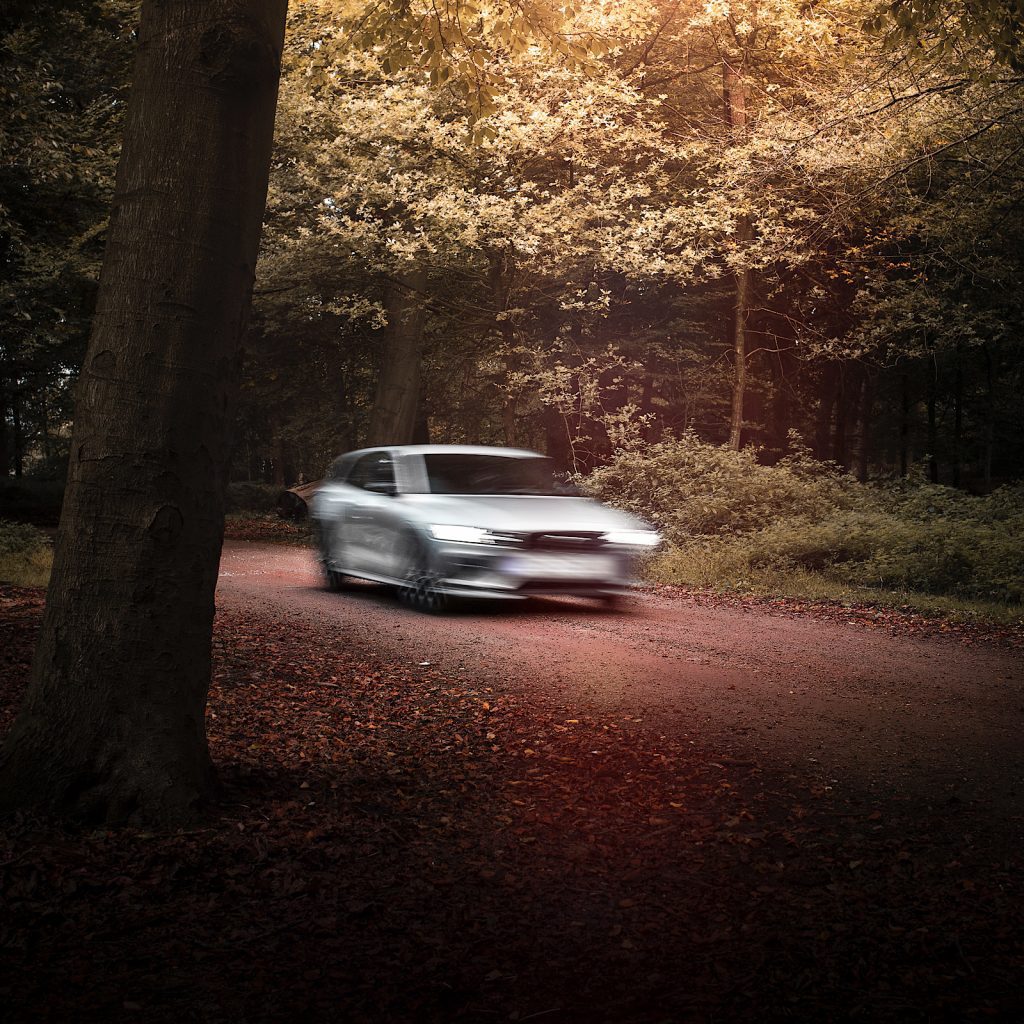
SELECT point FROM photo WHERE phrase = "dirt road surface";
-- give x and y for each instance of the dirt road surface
(929, 719)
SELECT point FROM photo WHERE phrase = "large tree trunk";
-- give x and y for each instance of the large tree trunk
(112, 726)
(393, 417)
(735, 99)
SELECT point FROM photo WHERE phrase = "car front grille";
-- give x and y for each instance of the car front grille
(549, 541)
(565, 541)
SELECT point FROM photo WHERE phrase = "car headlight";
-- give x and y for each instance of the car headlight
(633, 538)
(462, 534)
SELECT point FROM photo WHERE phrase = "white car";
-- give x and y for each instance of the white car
(441, 521)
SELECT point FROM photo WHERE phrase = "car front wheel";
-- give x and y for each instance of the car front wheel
(330, 552)
(420, 586)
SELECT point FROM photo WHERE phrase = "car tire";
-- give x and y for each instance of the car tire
(334, 578)
(419, 588)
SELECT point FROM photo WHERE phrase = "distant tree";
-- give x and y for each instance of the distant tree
(66, 68)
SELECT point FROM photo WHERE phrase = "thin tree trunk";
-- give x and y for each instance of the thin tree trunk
(113, 724)
(958, 413)
(990, 418)
(933, 430)
(826, 404)
(278, 461)
(735, 99)
(17, 434)
(652, 426)
(393, 417)
(739, 346)
(839, 449)
(904, 424)
(865, 407)
(5, 444)
(557, 443)
(509, 418)
(780, 408)
(500, 284)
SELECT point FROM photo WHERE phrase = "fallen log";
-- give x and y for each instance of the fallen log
(292, 503)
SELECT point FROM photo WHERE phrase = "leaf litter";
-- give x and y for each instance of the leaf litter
(393, 844)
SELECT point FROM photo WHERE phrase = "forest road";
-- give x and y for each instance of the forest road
(927, 719)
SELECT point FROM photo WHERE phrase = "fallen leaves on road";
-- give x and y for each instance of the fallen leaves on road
(396, 845)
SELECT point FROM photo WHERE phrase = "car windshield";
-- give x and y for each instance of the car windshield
(462, 473)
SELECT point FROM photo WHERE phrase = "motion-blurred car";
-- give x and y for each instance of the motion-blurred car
(442, 521)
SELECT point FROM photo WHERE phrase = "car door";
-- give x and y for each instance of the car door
(369, 514)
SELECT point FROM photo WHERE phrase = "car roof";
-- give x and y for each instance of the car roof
(448, 449)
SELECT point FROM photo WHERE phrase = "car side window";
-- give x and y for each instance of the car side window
(372, 471)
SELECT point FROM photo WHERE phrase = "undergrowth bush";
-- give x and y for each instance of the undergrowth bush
(733, 523)
(25, 555)
(688, 488)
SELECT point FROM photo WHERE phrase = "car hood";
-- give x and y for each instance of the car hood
(522, 513)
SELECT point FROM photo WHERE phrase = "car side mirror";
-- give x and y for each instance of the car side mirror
(382, 487)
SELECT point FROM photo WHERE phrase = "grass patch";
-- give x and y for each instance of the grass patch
(26, 555)
(691, 568)
(27, 570)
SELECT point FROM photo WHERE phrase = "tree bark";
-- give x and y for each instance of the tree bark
(499, 282)
(393, 417)
(865, 407)
(780, 408)
(839, 448)
(933, 429)
(990, 419)
(735, 99)
(5, 448)
(958, 413)
(823, 417)
(17, 433)
(279, 460)
(112, 727)
(904, 424)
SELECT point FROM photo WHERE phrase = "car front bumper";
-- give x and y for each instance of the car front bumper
(507, 572)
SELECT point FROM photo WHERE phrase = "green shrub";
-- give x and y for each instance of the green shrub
(689, 489)
(733, 523)
(25, 555)
(20, 538)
